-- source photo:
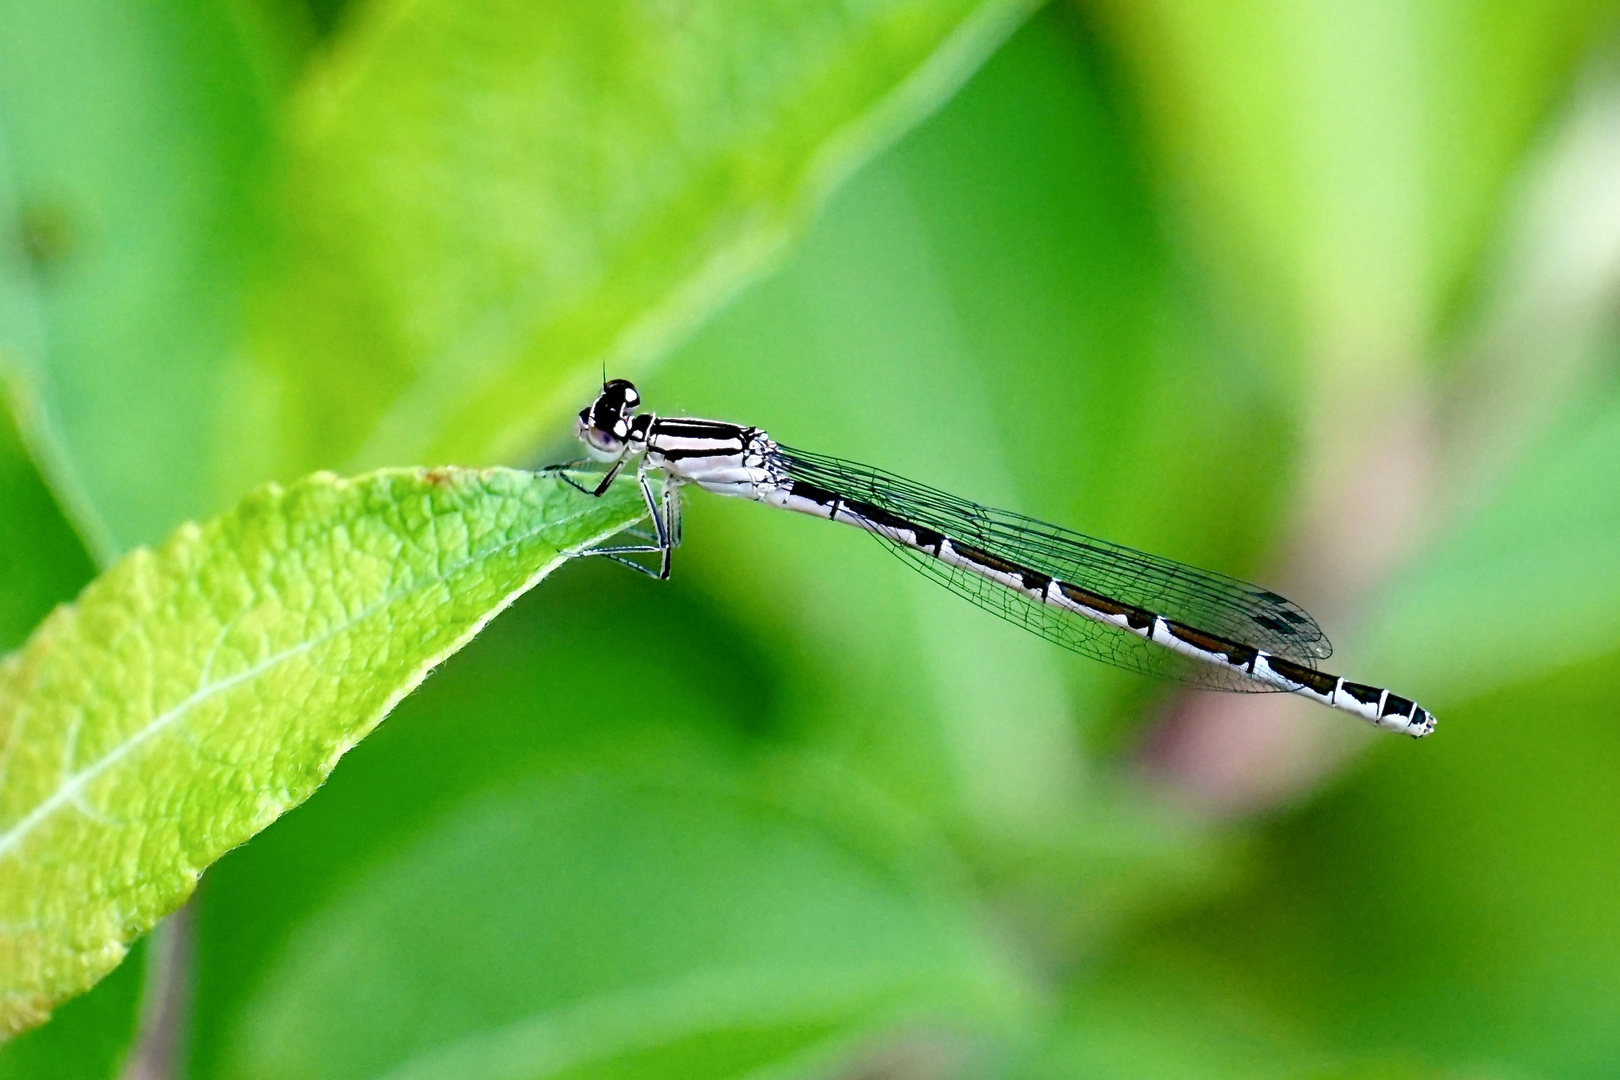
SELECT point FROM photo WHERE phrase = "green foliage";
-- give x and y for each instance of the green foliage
(611, 174)
(195, 692)
(42, 564)
(599, 879)
(1546, 534)
(1167, 273)
(704, 926)
(1352, 158)
(1453, 906)
(909, 330)
(129, 136)
(87, 1037)
(491, 200)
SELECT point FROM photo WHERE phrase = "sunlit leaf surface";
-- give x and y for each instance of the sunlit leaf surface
(195, 692)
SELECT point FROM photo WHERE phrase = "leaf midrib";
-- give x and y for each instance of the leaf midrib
(76, 783)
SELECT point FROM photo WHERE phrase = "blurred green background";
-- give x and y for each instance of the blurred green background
(1319, 293)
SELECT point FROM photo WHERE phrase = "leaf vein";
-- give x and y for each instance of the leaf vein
(71, 790)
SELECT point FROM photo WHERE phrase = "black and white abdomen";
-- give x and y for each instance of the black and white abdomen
(1100, 599)
(1225, 662)
(723, 458)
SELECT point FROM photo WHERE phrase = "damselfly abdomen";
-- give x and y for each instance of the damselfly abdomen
(1100, 599)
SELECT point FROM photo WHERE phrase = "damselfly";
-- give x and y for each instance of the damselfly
(1100, 599)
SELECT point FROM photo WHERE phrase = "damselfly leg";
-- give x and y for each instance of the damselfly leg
(663, 510)
(568, 469)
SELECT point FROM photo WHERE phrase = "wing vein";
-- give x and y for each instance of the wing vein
(1208, 601)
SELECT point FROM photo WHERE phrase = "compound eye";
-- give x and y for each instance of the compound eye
(621, 391)
(605, 441)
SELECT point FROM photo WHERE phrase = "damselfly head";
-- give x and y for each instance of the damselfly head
(605, 424)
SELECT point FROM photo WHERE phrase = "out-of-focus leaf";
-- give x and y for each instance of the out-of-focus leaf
(545, 684)
(601, 922)
(1529, 585)
(908, 681)
(490, 200)
(42, 562)
(1351, 158)
(195, 692)
(686, 848)
(1130, 1026)
(1454, 906)
(129, 132)
(1092, 337)
(1147, 1019)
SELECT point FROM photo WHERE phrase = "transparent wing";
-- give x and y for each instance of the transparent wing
(1214, 603)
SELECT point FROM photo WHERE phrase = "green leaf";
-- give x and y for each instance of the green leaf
(489, 201)
(90, 1037)
(1349, 161)
(129, 136)
(665, 921)
(195, 692)
(776, 857)
(526, 697)
(1140, 1023)
(42, 562)
(1151, 1017)
(1454, 907)
(1529, 584)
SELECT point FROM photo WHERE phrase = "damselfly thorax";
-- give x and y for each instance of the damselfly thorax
(1097, 598)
